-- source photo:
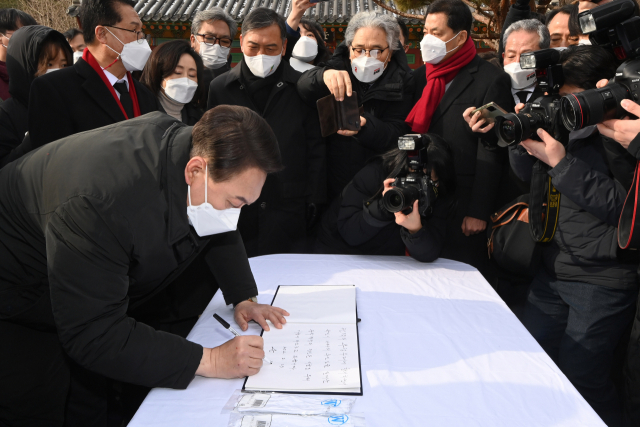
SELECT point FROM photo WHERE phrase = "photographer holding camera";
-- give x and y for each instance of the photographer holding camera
(372, 215)
(583, 297)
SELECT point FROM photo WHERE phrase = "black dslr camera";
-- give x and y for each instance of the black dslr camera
(544, 112)
(416, 185)
(612, 26)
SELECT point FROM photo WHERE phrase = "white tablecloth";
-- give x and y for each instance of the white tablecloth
(438, 348)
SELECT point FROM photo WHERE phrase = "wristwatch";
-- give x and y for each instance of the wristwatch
(252, 299)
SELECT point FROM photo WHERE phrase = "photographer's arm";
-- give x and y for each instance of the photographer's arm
(360, 218)
(625, 131)
(381, 135)
(426, 244)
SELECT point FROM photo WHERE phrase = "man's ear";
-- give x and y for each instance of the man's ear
(241, 45)
(101, 34)
(463, 37)
(284, 47)
(194, 43)
(195, 167)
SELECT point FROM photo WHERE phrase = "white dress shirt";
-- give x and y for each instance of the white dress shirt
(113, 80)
(526, 89)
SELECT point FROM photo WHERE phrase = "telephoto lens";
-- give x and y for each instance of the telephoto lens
(399, 199)
(593, 106)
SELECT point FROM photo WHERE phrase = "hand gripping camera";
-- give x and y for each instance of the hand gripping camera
(416, 185)
(612, 26)
(544, 112)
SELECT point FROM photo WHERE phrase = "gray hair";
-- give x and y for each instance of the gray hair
(263, 17)
(530, 26)
(387, 23)
(214, 14)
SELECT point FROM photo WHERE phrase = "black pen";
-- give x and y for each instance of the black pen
(233, 331)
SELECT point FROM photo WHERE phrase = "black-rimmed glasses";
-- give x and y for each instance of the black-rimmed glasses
(139, 34)
(374, 53)
(210, 40)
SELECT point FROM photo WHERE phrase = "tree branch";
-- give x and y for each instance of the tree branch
(397, 12)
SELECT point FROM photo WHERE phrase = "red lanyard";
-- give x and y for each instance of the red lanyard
(88, 57)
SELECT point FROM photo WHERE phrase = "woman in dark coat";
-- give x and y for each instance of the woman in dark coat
(385, 101)
(358, 222)
(174, 74)
(33, 51)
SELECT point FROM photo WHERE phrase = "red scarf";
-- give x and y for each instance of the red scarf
(438, 76)
(88, 57)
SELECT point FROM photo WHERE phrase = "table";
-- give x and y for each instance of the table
(438, 348)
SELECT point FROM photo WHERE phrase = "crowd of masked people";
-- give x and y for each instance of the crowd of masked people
(318, 194)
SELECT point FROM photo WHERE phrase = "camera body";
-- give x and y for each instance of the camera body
(612, 26)
(543, 112)
(416, 184)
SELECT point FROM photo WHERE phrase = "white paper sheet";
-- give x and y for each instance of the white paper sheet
(309, 355)
(318, 304)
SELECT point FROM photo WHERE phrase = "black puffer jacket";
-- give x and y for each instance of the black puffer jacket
(22, 64)
(585, 244)
(386, 102)
(356, 224)
(88, 235)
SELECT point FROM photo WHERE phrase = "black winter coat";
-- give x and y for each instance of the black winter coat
(585, 244)
(208, 75)
(386, 105)
(276, 222)
(87, 234)
(355, 224)
(76, 100)
(22, 65)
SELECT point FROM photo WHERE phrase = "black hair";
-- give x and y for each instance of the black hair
(324, 54)
(564, 9)
(71, 33)
(12, 19)
(263, 17)
(404, 30)
(439, 159)
(584, 66)
(163, 62)
(458, 14)
(233, 139)
(99, 12)
(539, 16)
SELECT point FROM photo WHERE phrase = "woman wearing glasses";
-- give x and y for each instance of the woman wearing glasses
(174, 74)
(371, 63)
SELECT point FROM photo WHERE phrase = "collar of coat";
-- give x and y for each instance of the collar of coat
(178, 140)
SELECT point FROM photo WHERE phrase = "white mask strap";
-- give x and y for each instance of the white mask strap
(445, 42)
(206, 174)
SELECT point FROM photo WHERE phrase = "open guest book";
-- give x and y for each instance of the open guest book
(317, 351)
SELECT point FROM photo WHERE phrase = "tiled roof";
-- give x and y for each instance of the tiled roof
(331, 11)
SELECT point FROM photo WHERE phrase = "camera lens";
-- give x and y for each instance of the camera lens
(509, 128)
(400, 198)
(593, 106)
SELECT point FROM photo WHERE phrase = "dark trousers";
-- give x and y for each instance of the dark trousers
(632, 376)
(579, 326)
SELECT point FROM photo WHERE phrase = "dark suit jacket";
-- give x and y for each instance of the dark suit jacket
(74, 100)
(478, 165)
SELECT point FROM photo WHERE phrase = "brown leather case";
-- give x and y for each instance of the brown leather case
(338, 115)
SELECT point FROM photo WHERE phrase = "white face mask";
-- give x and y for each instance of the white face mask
(367, 69)
(520, 78)
(213, 56)
(76, 56)
(51, 70)
(306, 49)
(134, 55)
(207, 220)
(181, 90)
(263, 65)
(433, 49)
(300, 66)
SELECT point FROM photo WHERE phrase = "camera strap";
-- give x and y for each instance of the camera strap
(544, 206)
(628, 237)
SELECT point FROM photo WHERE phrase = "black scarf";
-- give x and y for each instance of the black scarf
(259, 88)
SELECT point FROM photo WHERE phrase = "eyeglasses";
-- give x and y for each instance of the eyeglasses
(374, 53)
(210, 40)
(139, 34)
